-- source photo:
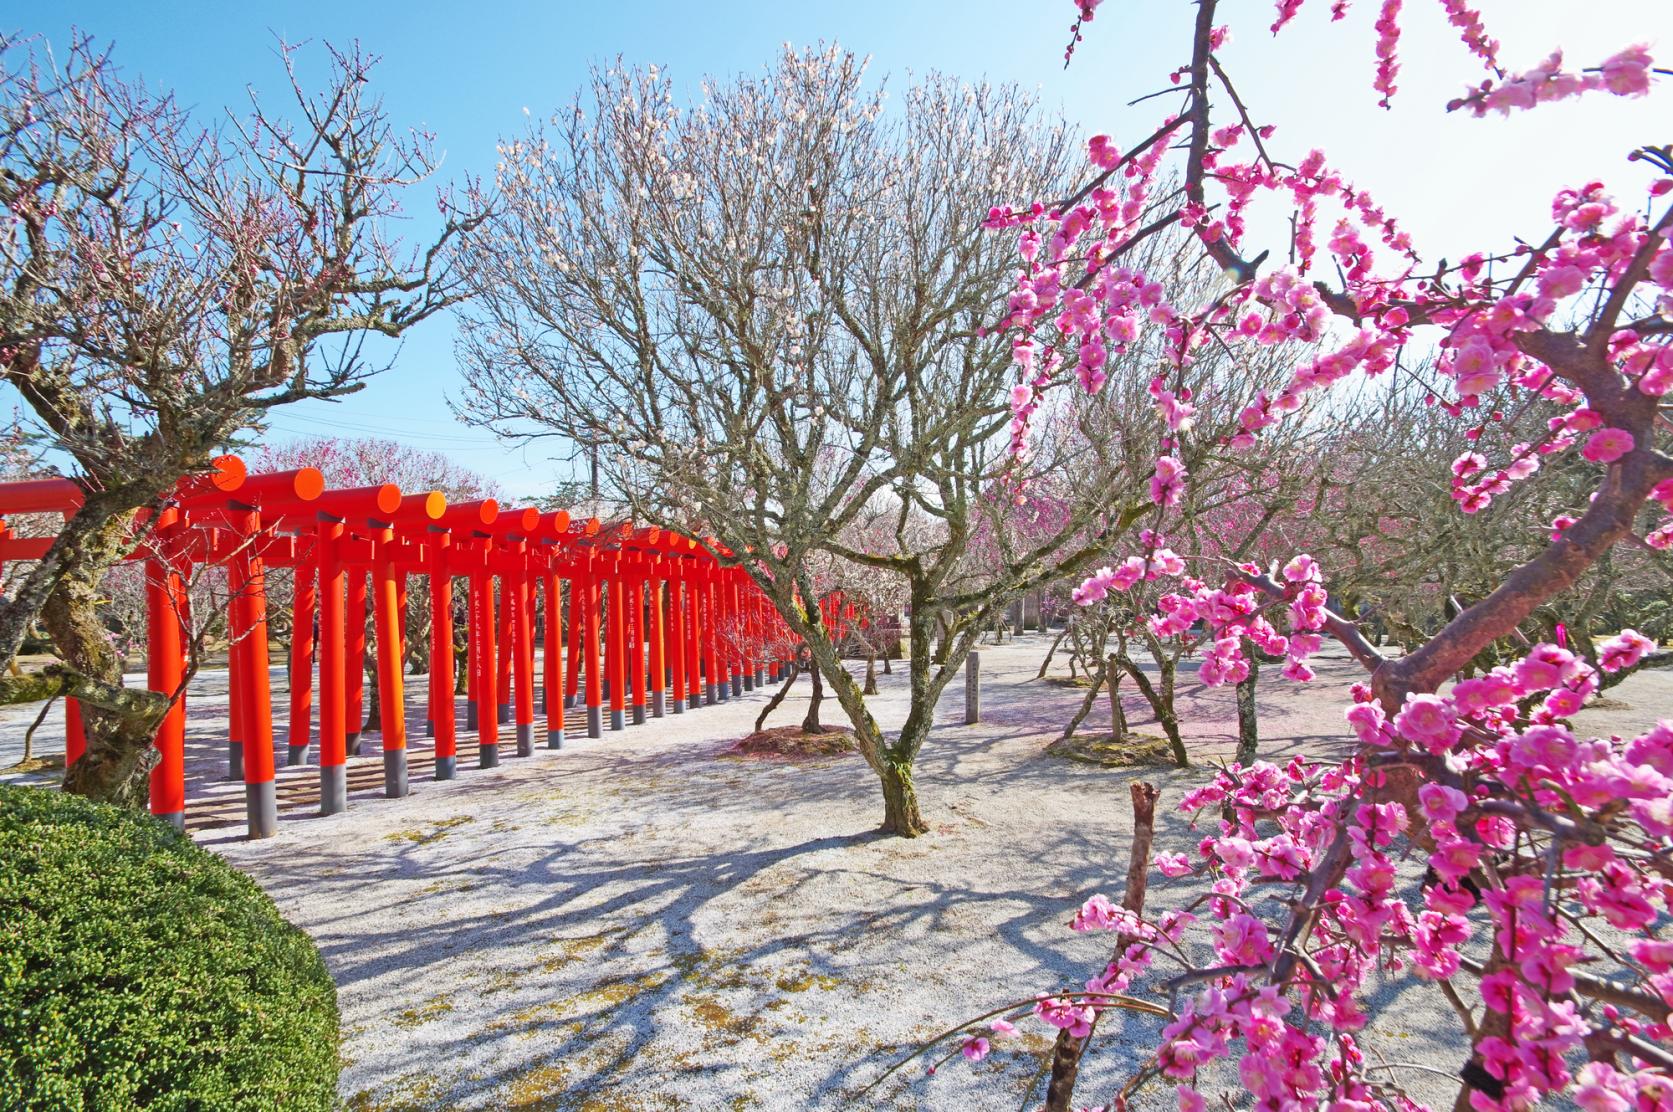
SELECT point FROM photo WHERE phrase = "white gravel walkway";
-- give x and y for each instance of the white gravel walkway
(639, 922)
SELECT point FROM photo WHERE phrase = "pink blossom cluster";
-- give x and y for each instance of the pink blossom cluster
(1544, 853)
(1538, 840)
(1158, 561)
(1079, 305)
(1543, 842)
(1474, 34)
(1237, 610)
(1627, 73)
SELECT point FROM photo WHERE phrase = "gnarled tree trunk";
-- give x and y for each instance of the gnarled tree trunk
(900, 798)
(778, 697)
(1161, 703)
(1248, 726)
(810, 722)
(117, 763)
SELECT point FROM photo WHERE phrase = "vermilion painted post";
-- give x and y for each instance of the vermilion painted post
(235, 697)
(635, 631)
(249, 589)
(554, 660)
(735, 646)
(693, 645)
(473, 650)
(762, 618)
(163, 669)
(572, 668)
(741, 680)
(676, 640)
(354, 662)
(333, 666)
(522, 646)
(164, 666)
(75, 734)
(728, 643)
(506, 650)
(595, 725)
(386, 620)
(441, 657)
(301, 664)
(706, 599)
(659, 655)
(487, 722)
(746, 635)
(616, 630)
(721, 633)
(714, 681)
(401, 618)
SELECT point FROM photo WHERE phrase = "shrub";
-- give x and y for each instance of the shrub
(139, 971)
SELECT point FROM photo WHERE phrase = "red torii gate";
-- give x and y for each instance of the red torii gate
(645, 611)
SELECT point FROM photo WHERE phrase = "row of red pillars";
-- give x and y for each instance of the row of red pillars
(638, 621)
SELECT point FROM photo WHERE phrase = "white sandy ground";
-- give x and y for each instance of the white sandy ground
(638, 922)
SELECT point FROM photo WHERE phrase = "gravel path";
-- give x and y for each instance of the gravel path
(642, 922)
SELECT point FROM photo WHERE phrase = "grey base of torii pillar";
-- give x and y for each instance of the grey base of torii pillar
(296, 755)
(429, 727)
(737, 684)
(176, 819)
(595, 722)
(504, 712)
(618, 721)
(470, 717)
(488, 755)
(235, 760)
(447, 768)
(261, 805)
(554, 739)
(677, 705)
(394, 773)
(333, 789)
(749, 681)
(351, 743)
(656, 704)
(638, 714)
(525, 739)
(708, 695)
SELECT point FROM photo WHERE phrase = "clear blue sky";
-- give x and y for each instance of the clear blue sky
(467, 70)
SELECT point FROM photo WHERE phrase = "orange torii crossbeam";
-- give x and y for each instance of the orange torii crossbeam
(644, 611)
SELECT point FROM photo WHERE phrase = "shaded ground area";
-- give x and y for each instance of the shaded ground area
(632, 923)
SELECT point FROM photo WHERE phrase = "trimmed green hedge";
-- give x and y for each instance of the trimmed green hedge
(139, 971)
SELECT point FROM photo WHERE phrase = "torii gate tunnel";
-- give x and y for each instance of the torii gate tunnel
(635, 619)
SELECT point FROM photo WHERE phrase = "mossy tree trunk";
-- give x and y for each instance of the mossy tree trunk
(778, 697)
(1051, 652)
(900, 801)
(1163, 707)
(893, 760)
(1086, 704)
(1118, 717)
(810, 721)
(1248, 726)
(116, 765)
